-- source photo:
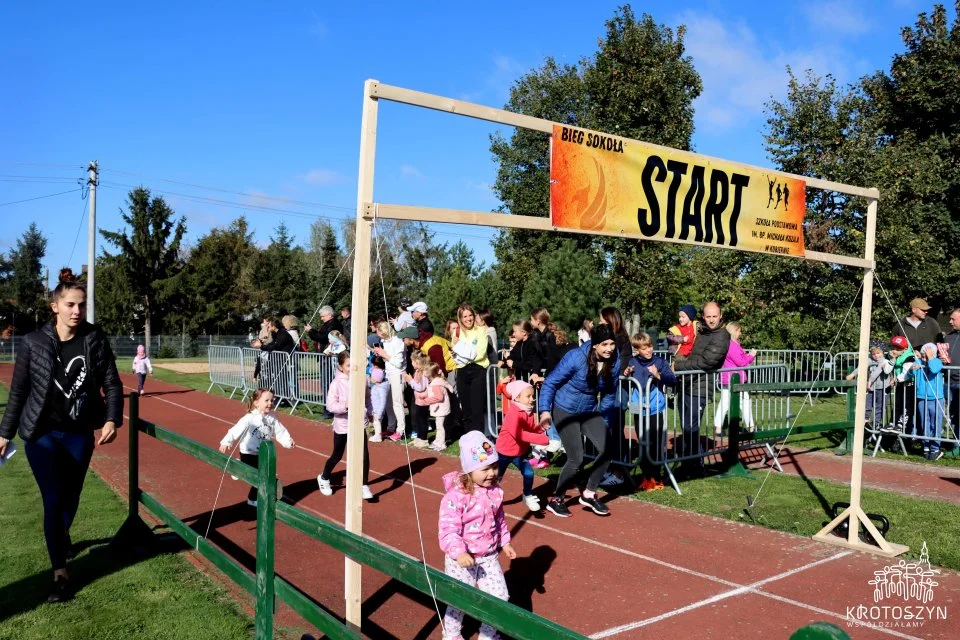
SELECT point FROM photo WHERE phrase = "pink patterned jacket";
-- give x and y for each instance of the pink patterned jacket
(472, 522)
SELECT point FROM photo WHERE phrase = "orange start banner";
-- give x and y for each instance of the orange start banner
(617, 186)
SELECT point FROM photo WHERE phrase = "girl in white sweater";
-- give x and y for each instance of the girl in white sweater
(259, 424)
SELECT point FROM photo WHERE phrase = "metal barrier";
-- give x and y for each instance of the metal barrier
(802, 365)
(898, 414)
(226, 369)
(313, 373)
(266, 586)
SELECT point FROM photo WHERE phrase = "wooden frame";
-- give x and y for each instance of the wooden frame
(368, 211)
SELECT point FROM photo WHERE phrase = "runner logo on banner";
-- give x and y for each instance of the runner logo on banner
(617, 186)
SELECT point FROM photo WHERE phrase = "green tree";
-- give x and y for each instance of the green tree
(281, 276)
(638, 84)
(25, 286)
(217, 284)
(119, 312)
(149, 254)
(567, 284)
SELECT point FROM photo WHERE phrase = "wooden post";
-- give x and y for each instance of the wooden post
(356, 435)
(854, 514)
(266, 528)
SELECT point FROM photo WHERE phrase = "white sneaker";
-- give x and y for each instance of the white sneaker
(234, 478)
(532, 502)
(324, 485)
(367, 494)
(252, 503)
(420, 443)
(375, 439)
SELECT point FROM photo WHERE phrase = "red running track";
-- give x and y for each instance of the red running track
(646, 571)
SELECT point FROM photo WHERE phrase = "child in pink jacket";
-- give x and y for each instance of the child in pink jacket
(473, 528)
(436, 397)
(736, 357)
(337, 398)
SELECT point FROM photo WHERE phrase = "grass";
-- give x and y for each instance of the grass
(158, 597)
(787, 503)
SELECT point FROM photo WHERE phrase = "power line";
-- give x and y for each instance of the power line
(232, 192)
(50, 195)
(244, 206)
(27, 163)
(83, 214)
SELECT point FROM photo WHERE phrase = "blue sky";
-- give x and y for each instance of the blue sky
(259, 102)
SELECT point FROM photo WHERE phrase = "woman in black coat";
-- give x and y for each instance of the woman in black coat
(56, 405)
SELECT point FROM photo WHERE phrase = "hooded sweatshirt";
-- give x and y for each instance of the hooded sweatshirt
(337, 397)
(255, 427)
(141, 363)
(471, 522)
(520, 429)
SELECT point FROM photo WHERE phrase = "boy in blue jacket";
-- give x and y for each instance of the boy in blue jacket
(929, 376)
(650, 408)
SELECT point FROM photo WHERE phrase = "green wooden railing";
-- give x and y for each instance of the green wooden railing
(266, 587)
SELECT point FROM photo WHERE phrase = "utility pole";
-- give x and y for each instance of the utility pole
(92, 180)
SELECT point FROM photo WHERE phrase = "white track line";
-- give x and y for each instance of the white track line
(738, 589)
(752, 588)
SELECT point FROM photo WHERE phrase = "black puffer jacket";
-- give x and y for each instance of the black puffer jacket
(709, 352)
(33, 378)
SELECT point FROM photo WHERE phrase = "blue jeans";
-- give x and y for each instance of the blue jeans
(520, 462)
(59, 462)
(932, 413)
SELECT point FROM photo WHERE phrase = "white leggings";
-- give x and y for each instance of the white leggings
(746, 413)
(395, 378)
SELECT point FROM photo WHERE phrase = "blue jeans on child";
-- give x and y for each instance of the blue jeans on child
(521, 463)
(932, 413)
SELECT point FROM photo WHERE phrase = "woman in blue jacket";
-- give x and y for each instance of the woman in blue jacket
(572, 396)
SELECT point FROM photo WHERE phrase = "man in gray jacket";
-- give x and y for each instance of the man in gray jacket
(709, 352)
(953, 376)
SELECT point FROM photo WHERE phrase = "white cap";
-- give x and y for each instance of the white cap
(418, 306)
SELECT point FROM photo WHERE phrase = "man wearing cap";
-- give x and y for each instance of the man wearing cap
(418, 311)
(917, 327)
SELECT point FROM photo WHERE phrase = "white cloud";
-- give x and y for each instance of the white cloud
(411, 171)
(322, 177)
(740, 73)
(841, 16)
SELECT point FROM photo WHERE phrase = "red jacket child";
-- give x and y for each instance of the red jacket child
(520, 425)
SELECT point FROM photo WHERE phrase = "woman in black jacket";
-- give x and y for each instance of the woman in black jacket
(56, 405)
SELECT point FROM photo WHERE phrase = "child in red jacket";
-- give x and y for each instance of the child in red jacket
(520, 430)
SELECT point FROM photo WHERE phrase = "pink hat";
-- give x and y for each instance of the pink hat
(141, 352)
(514, 388)
(476, 452)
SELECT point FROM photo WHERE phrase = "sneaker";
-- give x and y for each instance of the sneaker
(61, 591)
(420, 443)
(540, 463)
(595, 505)
(375, 439)
(553, 446)
(324, 485)
(367, 494)
(141, 392)
(532, 502)
(438, 446)
(252, 503)
(396, 435)
(234, 478)
(558, 507)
